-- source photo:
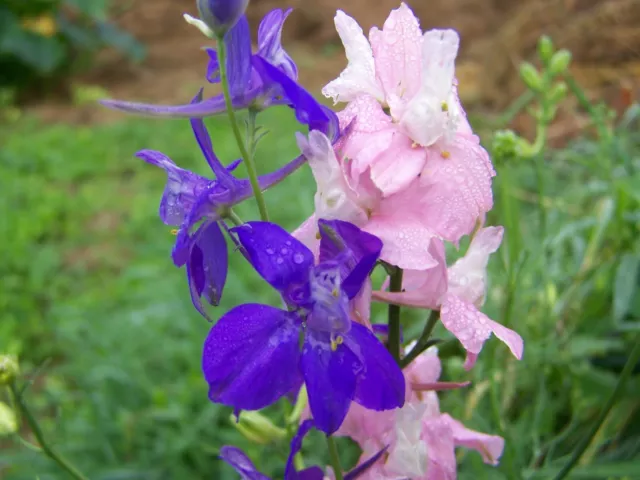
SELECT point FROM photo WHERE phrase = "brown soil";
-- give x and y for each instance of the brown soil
(603, 35)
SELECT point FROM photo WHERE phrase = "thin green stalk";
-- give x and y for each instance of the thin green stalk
(393, 342)
(235, 219)
(37, 432)
(634, 356)
(423, 340)
(335, 458)
(516, 107)
(603, 131)
(247, 159)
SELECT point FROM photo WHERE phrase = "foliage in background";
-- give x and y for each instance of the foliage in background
(104, 328)
(42, 40)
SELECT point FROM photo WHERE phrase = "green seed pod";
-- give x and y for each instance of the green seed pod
(545, 49)
(531, 77)
(559, 62)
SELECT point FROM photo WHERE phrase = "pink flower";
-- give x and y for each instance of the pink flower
(458, 292)
(426, 135)
(421, 440)
(398, 220)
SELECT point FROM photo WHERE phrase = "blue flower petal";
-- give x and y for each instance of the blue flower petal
(213, 67)
(251, 356)
(182, 189)
(270, 179)
(207, 266)
(209, 107)
(241, 463)
(238, 43)
(366, 465)
(356, 250)
(269, 42)
(279, 258)
(381, 384)
(296, 445)
(330, 377)
(308, 110)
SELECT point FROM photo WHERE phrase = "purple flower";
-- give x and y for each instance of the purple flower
(196, 204)
(221, 15)
(256, 80)
(255, 354)
(247, 470)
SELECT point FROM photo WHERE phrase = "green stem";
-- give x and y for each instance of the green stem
(247, 159)
(235, 219)
(37, 432)
(423, 341)
(603, 130)
(516, 107)
(634, 356)
(393, 342)
(335, 458)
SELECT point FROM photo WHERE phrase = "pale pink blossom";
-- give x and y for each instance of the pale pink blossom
(425, 135)
(421, 440)
(458, 292)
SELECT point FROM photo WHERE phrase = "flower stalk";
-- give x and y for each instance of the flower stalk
(23, 408)
(335, 458)
(248, 159)
(393, 342)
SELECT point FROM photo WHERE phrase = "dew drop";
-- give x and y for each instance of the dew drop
(279, 260)
(284, 251)
(298, 258)
(270, 251)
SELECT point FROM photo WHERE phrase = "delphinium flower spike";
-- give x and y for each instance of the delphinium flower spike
(252, 356)
(196, 204)
(247, 470)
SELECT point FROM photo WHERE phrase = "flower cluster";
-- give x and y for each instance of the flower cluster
(399, 173)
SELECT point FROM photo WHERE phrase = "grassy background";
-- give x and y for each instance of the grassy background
(103, 323)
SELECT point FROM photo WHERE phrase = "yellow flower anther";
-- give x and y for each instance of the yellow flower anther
(174, 231)
(335, 292)
(335, 342)
(415, 145)
(318, 236)
(444, 106)
(445, 154)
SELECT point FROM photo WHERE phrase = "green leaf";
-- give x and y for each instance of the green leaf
(625, 285)
(44, 54)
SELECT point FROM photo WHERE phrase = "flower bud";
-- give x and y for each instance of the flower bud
(8, 369)
(545, 48)
(559, 62)
(558, 92)
(258, 428)
(8, 420)
(221, 15)
(531, 77)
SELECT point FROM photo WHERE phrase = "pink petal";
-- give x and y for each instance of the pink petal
(437, 433)
(438, 386)
(422, 288)
(458, 188)
(472, 328)
(361, 305)
(425, 369)
(405, 240)
(369, 135)
(468, 275)
(359, 77)
(489, 446)
(307, 234)
(398, 165)
(397, 49)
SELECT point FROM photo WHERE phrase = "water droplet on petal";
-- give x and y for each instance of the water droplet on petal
(270, 251)
(298, 258)
(284, 251)
(279, 260)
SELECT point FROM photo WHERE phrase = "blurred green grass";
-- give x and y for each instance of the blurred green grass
(87, 289)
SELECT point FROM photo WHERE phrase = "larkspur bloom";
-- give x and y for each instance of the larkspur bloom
(398, 220)
(425, 137)
(196, 205)
(458, 292)
(252, 356)
(221, 15)
(256, 81)
(247, 470)
(421, 440)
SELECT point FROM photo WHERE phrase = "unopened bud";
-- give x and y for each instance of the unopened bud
(8, 369)
(558, 92)
(258, 428)
(221, 15)
(531, 77)
(8, 420)
(559, 62)
(545, 48)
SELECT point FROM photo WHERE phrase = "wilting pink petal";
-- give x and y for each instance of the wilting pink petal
(359, 76)
(489, 446)
(472, 328)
